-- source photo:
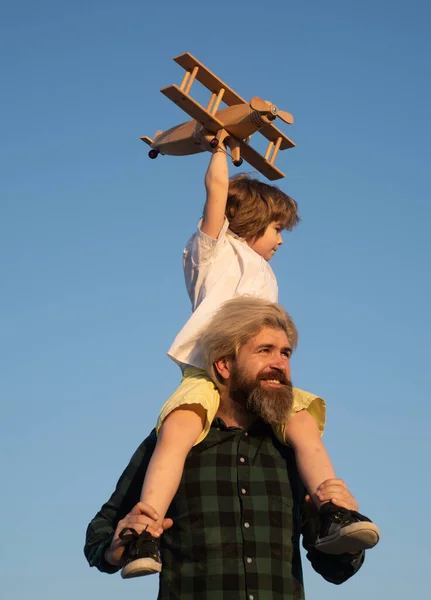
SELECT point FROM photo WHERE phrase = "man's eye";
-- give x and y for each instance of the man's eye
(264, 350)
(287, 354)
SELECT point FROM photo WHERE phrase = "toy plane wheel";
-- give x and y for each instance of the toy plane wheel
(238, 162)
(214, 143)
(153, 153)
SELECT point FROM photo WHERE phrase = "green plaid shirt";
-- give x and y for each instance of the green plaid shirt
(238, 515)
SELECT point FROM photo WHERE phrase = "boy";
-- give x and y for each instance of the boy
(228, 257)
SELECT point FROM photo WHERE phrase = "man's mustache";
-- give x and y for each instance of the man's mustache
(278, 375)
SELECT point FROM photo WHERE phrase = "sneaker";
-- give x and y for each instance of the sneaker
(142, 553)
(343, 530)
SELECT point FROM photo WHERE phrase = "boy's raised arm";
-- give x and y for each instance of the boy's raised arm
(216, 185)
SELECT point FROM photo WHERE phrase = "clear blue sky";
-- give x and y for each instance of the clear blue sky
(91, 239)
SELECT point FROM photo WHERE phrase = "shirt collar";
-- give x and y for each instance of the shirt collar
(257, 428)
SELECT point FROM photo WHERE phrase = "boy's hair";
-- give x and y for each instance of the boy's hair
(252, 205)
(235, 323)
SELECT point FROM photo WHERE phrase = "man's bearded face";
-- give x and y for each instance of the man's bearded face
(272, 403)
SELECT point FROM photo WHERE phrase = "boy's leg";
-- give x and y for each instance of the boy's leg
(314, 465)
(177, 435)
(341, 530)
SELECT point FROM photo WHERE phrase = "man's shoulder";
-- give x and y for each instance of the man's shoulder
(145, 449)
(150, 441)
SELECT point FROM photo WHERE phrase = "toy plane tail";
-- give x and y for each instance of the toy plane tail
(147, 140)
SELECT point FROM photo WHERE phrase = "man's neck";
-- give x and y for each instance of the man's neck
(233, 414)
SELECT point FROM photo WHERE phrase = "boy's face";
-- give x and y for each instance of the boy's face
(269, 243)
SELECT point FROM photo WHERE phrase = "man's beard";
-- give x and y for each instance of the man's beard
(272, 405)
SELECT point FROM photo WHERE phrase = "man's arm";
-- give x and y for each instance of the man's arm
(101, 530)
(335, 568)
(216, 185)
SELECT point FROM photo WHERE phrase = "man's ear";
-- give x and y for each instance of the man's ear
(223, 367)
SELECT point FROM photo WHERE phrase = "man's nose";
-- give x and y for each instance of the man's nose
(279, 363)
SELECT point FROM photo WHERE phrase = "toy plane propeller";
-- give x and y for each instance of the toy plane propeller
(233, 125)
(265, 107)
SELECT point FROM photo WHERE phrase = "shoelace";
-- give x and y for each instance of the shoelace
(136, 543)
(345, 517)
(129, 537)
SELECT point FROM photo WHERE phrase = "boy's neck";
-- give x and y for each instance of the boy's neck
(253, 250)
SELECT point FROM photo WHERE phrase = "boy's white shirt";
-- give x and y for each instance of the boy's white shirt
(217, 270)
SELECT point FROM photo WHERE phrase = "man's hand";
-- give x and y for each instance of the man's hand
(140, 517)
(336, 491)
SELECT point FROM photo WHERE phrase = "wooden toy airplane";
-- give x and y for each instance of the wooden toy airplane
(233, 125)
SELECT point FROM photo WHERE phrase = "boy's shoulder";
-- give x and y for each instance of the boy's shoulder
(199, 238)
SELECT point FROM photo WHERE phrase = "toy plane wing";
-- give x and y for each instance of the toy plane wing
(208, 79)
(272, 133)
(192, 108)
(260, 163)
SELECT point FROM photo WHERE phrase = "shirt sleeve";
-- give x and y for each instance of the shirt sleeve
(335, 568)
(203, 247)
(101, 529)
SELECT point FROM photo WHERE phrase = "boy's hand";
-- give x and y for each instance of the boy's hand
(140, 517)
(203, 138)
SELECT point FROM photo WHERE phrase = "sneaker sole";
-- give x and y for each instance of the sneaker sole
(140, 567)
(351, 538)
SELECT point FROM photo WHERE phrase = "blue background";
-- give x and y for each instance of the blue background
(91, 239)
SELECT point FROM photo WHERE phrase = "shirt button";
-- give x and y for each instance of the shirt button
(251, 597)
(242, 459)
(243, 491)
(249, 560)
(246, 434)
(246, 524)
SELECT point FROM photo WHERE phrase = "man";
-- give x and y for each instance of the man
(235, 523)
